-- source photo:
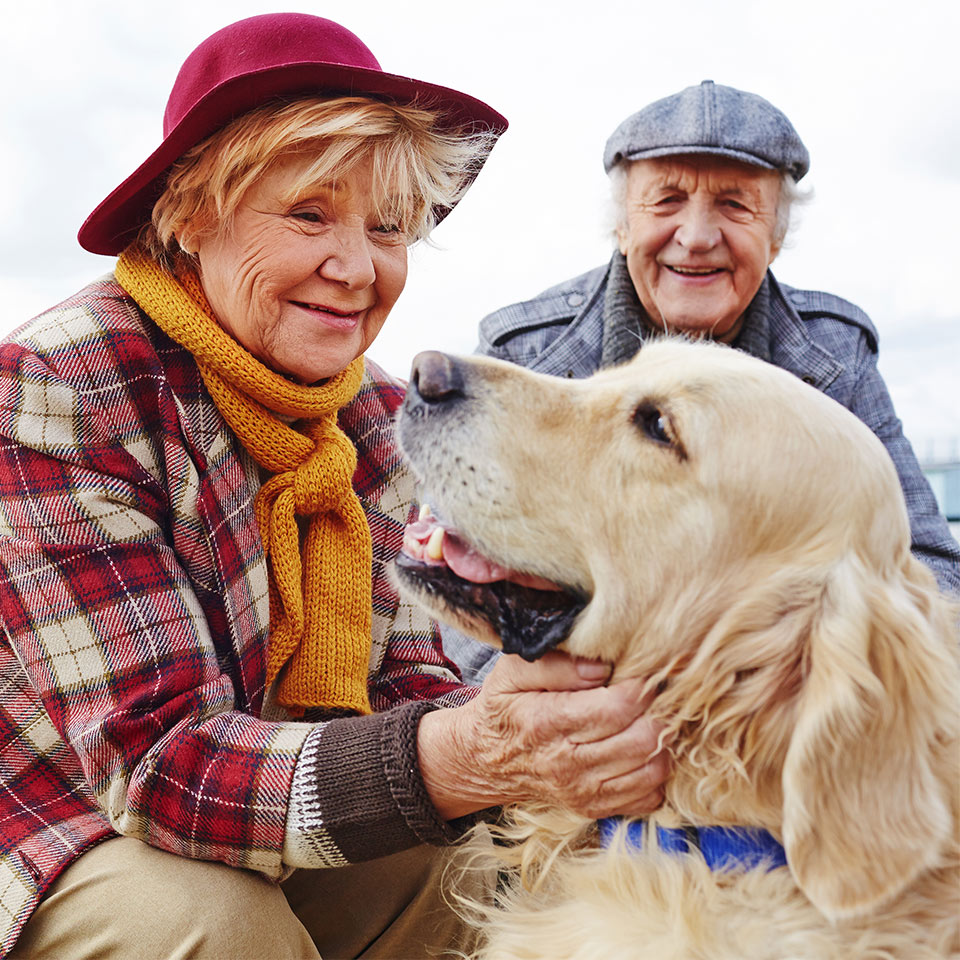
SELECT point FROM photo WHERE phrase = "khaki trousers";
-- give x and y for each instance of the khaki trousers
(124, 900)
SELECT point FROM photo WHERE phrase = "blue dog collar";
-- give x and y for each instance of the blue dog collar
(722, 847)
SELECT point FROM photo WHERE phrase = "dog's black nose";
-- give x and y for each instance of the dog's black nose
(436, 377)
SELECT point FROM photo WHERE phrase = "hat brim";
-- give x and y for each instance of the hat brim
(118, 218)
(680, 149)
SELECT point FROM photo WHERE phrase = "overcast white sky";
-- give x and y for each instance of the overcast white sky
(873, 89)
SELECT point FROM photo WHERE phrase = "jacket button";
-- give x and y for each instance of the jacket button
(575, 299)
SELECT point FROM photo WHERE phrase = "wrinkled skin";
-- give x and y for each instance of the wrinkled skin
(549, 731)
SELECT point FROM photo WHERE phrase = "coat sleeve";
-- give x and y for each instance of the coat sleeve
(931, 541)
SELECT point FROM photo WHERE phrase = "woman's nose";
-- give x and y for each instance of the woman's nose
(349, 259)
(698, 229)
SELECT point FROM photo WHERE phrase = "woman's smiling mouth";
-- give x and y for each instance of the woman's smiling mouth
(344, 320)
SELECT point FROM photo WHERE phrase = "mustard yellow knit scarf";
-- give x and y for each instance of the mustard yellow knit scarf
(320, 606)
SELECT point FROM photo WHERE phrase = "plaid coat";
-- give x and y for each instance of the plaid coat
(133, 594)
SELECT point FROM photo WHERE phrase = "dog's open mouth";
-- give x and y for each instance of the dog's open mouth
(531, 615)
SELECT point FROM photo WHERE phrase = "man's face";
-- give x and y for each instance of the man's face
(698, 239)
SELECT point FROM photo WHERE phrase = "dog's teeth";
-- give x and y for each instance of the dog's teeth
(425, 512)
(435, 544)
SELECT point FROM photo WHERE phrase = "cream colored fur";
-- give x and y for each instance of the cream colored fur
(757, 570)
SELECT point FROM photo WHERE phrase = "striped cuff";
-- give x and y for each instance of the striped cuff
(357, 792)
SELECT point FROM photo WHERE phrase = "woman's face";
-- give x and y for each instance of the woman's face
(304, 286)
(698, 238)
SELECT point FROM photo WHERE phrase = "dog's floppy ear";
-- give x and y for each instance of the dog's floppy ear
(865, 809)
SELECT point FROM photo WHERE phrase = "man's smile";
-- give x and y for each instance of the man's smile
(693, 271)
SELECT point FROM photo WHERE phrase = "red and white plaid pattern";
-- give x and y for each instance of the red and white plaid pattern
(133, 593)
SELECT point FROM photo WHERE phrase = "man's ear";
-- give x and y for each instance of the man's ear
(775, 249)
(622, 239)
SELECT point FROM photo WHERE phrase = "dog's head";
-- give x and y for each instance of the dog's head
(708, 521)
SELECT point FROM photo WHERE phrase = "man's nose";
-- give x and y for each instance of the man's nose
(349, 258)
(699, 227)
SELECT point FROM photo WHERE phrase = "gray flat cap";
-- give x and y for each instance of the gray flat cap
(711, 119)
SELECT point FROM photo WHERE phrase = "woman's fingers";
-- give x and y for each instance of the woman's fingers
(560, 697)
(553, 671)
(548, 731)
(603, 713)
(630, 789)
(621, 773)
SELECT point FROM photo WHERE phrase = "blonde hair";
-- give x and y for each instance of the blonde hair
(419, 168)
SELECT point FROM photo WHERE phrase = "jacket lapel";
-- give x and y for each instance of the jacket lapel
(217, 539)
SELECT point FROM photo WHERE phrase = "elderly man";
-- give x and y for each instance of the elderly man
(703, 182)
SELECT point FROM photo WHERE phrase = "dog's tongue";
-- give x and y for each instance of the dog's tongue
(428, 541)
(465, 562)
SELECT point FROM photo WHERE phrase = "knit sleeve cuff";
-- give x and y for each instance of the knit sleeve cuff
(357, 792)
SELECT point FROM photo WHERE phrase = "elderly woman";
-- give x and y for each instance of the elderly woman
(209, 687)
(703, 182)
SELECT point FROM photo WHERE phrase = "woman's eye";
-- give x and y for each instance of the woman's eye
(653, 423)
(308, 216)
(735, 205)
(387, 228)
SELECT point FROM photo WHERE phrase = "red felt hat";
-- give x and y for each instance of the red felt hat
(244, 65)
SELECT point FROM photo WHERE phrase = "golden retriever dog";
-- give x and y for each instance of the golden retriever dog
(739, 540)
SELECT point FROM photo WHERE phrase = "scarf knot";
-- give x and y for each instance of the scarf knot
(323, 481)
(320, 591)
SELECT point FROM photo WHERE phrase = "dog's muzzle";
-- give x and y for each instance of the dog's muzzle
(529, 614)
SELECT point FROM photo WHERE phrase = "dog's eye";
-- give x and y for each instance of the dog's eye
(653, 423)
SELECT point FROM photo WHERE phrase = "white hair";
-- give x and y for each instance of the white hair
(791, 195)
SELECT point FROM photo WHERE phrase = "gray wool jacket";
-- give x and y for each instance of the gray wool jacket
(595, 320)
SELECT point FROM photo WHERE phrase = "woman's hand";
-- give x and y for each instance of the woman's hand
(549, 730)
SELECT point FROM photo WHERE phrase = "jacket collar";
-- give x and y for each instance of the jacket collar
(788, 345)
(626, 324)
